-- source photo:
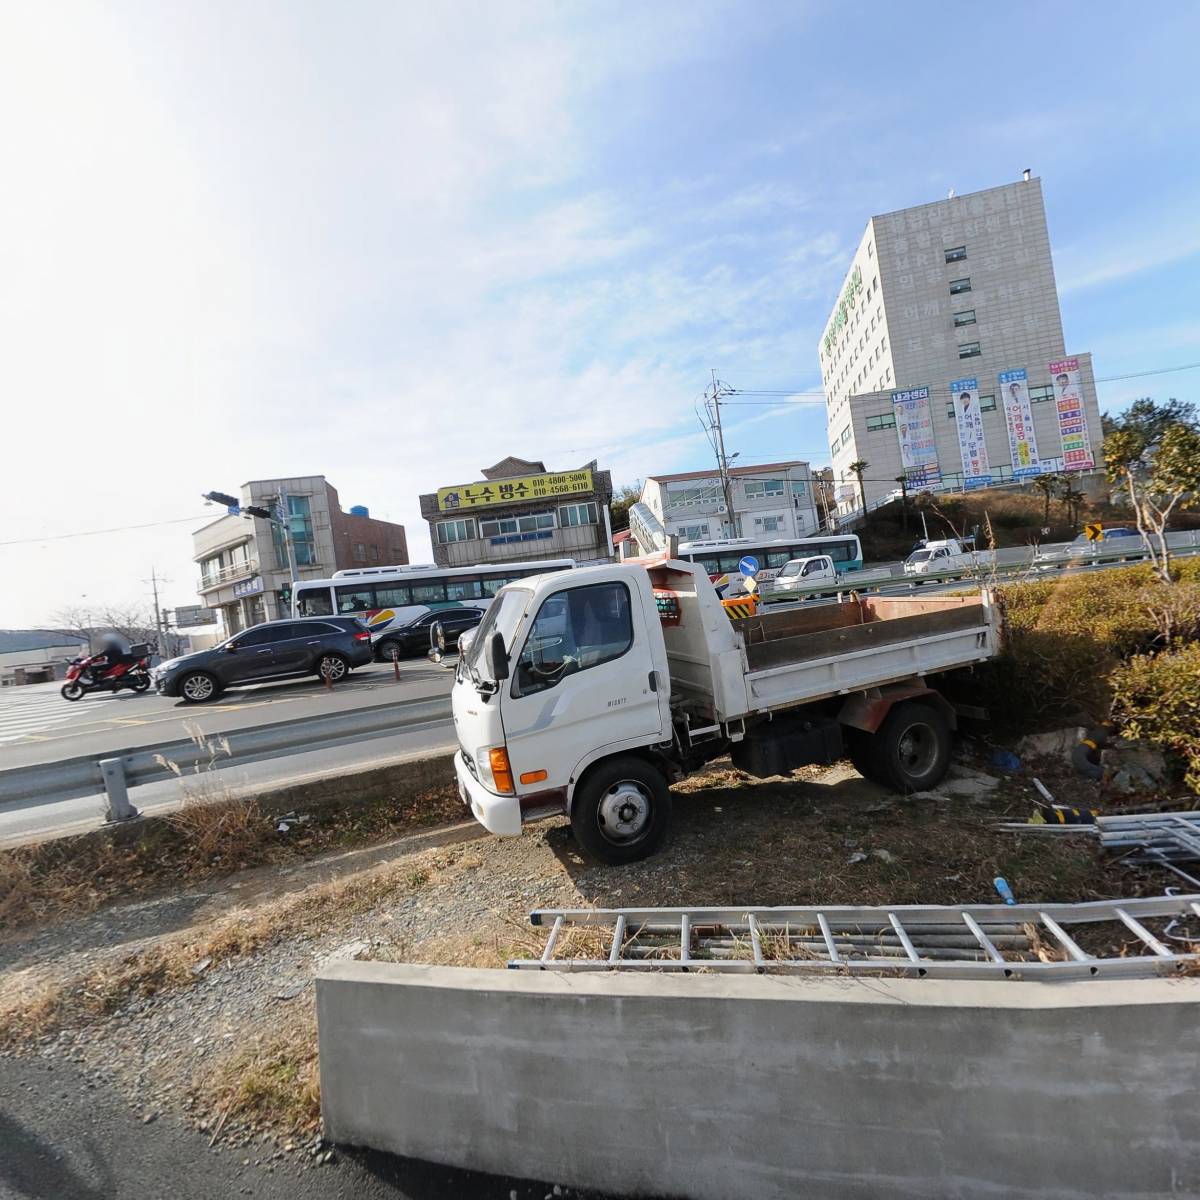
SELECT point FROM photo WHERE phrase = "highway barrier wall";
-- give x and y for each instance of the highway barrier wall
(714, 1087)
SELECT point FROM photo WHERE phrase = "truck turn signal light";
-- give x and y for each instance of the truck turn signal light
(501, 770)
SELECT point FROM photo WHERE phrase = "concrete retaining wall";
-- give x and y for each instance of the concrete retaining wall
(715, 1087)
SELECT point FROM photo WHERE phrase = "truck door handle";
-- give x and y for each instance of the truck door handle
(654, 681)
(267, 651)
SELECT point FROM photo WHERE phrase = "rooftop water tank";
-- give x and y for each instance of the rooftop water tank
(360, 510)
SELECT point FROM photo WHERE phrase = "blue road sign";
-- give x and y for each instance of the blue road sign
(748, 565)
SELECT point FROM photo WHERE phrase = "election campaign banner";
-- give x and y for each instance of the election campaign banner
(1022, 442)
(964, 394)
(1072, 421)
(914, 428)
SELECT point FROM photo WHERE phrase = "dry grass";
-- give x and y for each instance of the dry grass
(172, 962)
(206, 838)
(272, 1084)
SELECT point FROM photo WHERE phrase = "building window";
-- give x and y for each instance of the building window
(760, 489)
(577, 514)
(693, 533)
(453, 531)
(845, 435)
(772, 524)
(395, 554)
(1045, 392)
(966, 317)
(834, 448)
(987, 403)
(799, 487)
(301, 529)
(881, 421)
(870, 249)
(360, 552)
(969, 350)
(950, 409)
(210, 568)
(956, 254)
(689, 494)
(527, 524)
(958, 286)
(1004, 472)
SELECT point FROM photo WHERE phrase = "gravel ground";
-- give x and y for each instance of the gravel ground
(825, 837)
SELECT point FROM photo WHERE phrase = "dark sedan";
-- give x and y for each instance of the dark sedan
(322, 646)
(413, 638)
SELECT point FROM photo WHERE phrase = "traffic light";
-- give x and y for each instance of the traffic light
(232, 503)
(257, 510)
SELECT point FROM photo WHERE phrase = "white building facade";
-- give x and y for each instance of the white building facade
(775, 500)
(938, 297)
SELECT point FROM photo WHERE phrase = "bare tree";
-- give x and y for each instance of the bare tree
(1158, 461)
(133, 622)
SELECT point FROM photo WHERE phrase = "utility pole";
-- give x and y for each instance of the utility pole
(160, 625)
(718, 390)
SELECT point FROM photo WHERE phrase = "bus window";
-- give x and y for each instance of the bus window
(728, 563)
(777, 558)
(393, 596)
(355, 598)
(314, 602)
(463, 589)
(840, 551)
(428, 593)
(709, 565)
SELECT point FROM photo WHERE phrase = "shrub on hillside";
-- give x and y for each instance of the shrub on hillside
(1157, 697)
(1067, 636)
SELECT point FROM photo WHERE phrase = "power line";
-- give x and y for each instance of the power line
(58, 537)
(800, 395)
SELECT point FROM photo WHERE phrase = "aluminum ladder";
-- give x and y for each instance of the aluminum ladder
(982, 941)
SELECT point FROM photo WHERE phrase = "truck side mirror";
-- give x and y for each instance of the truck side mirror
(497, 656)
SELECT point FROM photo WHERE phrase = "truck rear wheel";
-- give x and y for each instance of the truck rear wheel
(910, 751)
(621, 811)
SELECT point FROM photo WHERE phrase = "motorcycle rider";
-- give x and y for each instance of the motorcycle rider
(113, 650)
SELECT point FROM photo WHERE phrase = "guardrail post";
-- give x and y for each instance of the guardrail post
(113, 774)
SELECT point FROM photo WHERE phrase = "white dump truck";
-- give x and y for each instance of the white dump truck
(588, 692)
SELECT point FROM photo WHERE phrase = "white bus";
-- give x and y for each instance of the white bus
(392, 600)
(721, 558)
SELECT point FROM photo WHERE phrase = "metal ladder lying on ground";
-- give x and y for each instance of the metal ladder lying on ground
(983, 941)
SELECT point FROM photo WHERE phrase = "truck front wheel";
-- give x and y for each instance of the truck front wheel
(910, 752)
(621, 811)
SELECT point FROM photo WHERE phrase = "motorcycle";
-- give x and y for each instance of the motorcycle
(95, 673)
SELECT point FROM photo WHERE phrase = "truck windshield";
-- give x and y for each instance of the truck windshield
(792, 568)
(920, 556)
(503, 614)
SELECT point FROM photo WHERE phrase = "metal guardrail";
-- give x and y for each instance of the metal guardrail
(113, 774)
(984, 571)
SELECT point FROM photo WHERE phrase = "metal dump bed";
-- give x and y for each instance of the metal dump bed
(804, 654)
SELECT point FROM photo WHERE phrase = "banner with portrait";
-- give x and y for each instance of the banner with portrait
(1018, 415)
(914, 428)
(968, 417)
(1072, 420)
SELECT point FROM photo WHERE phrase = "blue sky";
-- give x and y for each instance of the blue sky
(394, 243)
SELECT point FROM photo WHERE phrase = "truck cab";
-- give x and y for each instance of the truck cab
(802, 573)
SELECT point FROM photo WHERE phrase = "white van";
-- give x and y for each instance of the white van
(800, 573)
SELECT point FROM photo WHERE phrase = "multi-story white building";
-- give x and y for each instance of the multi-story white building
(773, 500)
(958, 290)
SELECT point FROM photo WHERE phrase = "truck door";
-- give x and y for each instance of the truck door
(582, 683)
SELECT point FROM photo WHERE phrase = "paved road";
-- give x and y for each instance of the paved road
(68, 1136)
(37, 725)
